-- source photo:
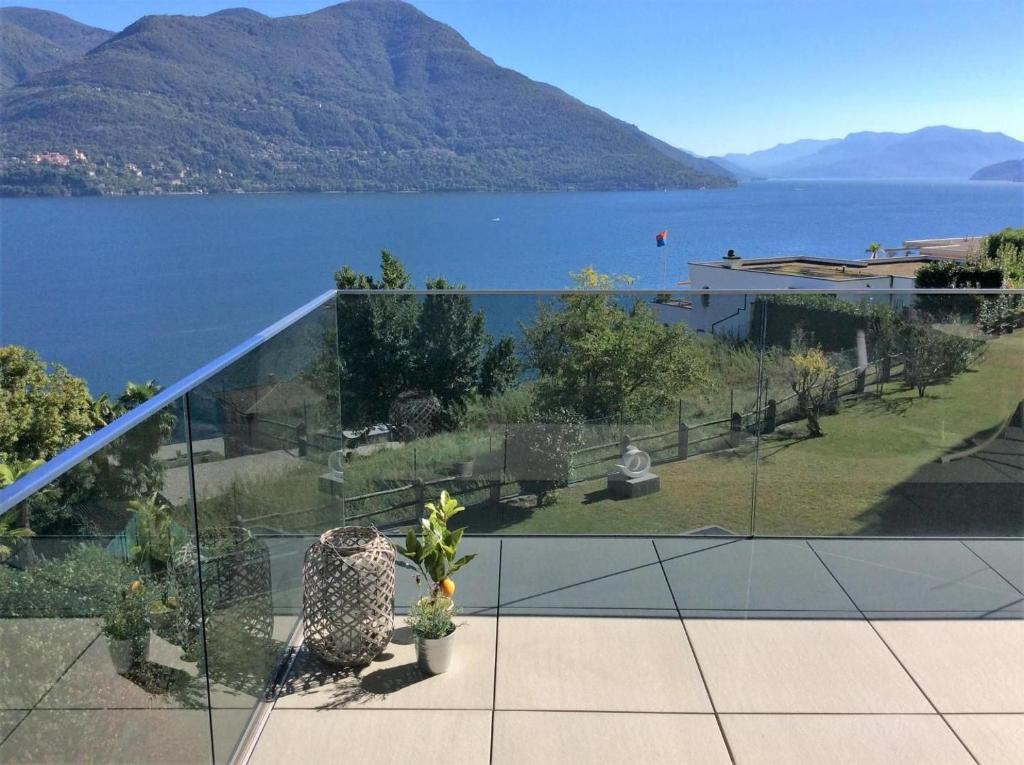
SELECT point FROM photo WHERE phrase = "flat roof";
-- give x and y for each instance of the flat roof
(827, 268)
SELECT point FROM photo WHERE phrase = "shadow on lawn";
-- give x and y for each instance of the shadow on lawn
(979, 495)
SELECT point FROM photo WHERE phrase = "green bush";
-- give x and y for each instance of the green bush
(82, 583)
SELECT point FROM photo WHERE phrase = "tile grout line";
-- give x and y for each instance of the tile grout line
(696, 660)
(497, 632)
(47, 691)
(893, 654)
(977, 555)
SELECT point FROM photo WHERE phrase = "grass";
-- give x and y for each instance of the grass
(874, 472)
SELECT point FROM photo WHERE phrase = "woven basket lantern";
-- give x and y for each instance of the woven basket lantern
(348, 597)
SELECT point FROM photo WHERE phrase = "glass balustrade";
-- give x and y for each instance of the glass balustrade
(155, 607)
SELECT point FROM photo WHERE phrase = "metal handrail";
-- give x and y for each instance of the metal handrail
(69, 458)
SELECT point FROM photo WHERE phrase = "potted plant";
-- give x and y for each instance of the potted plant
(162, 613)
(433, 548)
(127, 628)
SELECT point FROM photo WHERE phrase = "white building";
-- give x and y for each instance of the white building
(731, 314)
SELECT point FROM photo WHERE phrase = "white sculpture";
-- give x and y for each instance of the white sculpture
(635, 462)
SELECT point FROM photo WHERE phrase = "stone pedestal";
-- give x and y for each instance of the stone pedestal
(623, 486)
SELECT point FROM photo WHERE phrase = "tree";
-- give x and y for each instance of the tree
(932, 357)
(873, 249)
(815, 380)
(134, 470)
(599, 356)
(392, 344)
(883, 334)
(43, 408)
(449, 342)
(500, 368)
(376, 342)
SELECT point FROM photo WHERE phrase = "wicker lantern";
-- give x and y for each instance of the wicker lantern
(348, 598)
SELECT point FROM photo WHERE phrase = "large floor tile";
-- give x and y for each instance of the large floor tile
(477, 583)
(800, 666)
(551, 738)
(835, 739)
(35, 653)
(429, 737)
(916, 575)
(162, 681)
(394, 681)
(617, 574)
(9, 720)
(963, 666)
(155, 736)
(1004, 555)
(992, 739)
(598, 664)
(751, 575)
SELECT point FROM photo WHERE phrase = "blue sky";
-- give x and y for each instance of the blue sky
(715, 76)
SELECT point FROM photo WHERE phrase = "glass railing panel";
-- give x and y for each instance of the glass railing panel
(895, 415)
(523, 405)
(101, 647)
(263, 431)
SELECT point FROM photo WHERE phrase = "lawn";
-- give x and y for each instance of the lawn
(874, 472)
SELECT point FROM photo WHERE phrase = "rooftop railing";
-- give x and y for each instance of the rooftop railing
(734, 414)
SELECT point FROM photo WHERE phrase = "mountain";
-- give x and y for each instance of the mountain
(33, 41)
(702, 164)
(1011, 170)
(368, 95)
(935, 153)
(762, 162)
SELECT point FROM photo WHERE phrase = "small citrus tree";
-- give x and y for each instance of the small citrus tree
(814, 379)
(435, 548)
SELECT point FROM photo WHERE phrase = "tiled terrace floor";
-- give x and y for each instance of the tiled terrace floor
(691, 650)
(578, 650)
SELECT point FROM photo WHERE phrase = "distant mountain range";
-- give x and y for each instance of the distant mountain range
(368, 95)
(934, 153)
(1011, 170)
(33, 41)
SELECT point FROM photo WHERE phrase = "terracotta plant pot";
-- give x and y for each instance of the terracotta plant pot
(434, 657)
(125, 654)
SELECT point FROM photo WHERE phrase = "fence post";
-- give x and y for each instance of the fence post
(771, 415)
(683, 442)
(735, 429)
(862, 378)
(419, 491)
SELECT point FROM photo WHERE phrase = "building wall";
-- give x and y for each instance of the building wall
(731, 314)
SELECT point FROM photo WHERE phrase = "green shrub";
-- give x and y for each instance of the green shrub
(79, 584)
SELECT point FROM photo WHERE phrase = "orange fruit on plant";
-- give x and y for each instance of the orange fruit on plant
(447, 587)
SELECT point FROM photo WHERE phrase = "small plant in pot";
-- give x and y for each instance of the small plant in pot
(127, 628)
(434, 551)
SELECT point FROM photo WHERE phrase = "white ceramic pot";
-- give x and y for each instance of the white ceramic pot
(125, 654)
(435, 656)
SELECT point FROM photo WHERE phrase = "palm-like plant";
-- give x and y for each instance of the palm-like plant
(873, 249)
(10, 536)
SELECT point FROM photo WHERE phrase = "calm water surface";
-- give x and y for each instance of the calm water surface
(131, 288)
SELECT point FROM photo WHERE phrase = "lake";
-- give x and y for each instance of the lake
(139, 287)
